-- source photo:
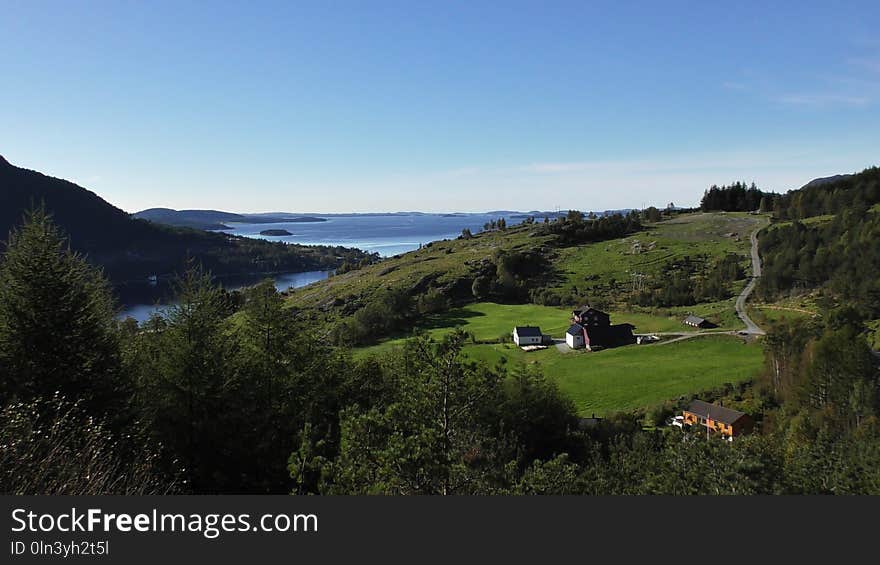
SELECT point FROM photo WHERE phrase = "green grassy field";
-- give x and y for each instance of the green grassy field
(808, 221)
(771, 314)
(488, 321)
(604, 381)
(485, 321)
(636, 376)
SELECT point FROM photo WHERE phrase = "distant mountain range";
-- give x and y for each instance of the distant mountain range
(131, 248)
(219, 220)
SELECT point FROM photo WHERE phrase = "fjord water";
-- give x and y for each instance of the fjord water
(387, 235)
(142, 300)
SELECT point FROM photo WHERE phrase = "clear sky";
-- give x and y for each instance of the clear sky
(436, 106)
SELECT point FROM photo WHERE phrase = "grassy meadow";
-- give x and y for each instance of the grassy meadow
(488, 321)
(598, 382)
(604, 381)
(615, 262)
(636, 376)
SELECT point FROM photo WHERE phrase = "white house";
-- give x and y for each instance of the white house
(527, 335)
(574, 337)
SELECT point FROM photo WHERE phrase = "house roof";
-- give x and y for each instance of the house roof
(591, 310)
(528, 331)
(715, 412)
(691, 319)
(575, 329)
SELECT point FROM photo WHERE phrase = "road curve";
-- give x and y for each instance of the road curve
(751, 327)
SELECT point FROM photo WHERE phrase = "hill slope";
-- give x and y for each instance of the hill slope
(130, 248)
(825, 180)
(529, 263)
(197, 219)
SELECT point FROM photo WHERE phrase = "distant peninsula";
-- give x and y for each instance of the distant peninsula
(302, 219)
(216, 220)
(275, 232)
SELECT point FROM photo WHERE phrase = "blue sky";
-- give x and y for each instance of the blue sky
(436, 106)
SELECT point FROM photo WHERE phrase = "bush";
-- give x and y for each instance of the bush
(51, 447)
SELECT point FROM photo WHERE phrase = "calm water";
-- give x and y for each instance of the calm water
(143, 300)
(385, 235)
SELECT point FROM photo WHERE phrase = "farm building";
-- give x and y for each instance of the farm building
(599, 337)
(602, 337)
(574, 336)
(588, 316)
(527, 335)
(718, 419)
(698, 322)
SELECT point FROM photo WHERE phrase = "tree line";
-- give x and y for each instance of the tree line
(577, 228)
(857, 192)
(737, 197)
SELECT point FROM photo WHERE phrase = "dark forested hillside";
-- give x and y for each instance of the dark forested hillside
(840, 255)
(831, 196)
(130, 248)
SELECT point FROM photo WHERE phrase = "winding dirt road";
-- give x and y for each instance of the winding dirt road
(751, 327)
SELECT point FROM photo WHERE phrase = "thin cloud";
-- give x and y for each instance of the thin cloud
(823, 100)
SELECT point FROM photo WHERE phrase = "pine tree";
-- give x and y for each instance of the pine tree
(57, 327)
(185, 384)
(267, 337)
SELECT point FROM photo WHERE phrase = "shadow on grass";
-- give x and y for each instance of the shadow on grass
(451, 319)
(448, 320)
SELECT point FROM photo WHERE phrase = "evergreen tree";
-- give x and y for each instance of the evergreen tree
(267, 335)
(186, 382)
(433, 438)
(57, 327)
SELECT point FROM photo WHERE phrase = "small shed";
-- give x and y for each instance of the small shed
(527, 335)
(698, 322)
(574, 336)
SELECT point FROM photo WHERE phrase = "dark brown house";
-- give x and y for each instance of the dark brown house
(718, 419)
(588, 316)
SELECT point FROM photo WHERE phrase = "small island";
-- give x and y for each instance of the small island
(275, 232)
